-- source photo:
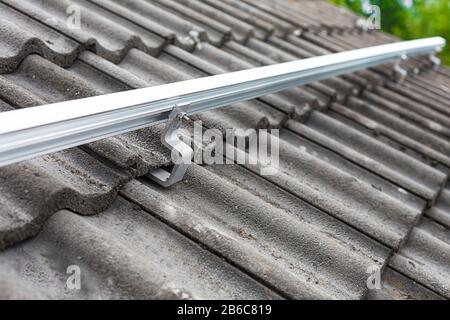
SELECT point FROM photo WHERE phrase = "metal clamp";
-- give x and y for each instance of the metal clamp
(400, 72)
(178, 149)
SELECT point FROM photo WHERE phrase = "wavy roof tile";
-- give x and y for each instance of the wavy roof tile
(364, 161)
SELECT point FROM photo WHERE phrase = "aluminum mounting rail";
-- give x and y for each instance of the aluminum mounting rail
(35, 131)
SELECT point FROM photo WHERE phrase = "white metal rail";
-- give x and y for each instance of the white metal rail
(31, 132)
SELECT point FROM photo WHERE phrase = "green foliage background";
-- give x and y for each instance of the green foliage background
(419, 19)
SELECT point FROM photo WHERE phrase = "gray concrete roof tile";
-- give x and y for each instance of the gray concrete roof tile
(440, 212)
(263, 233)
(21, 36)
(372, 154)
(426, 257)
(123, 253)
(408, 114)
(309, 232)
(350, 199)
(396, 286)
(384, 123)
(415, 106)
(241, 30)
(110, 35)
(33, 190)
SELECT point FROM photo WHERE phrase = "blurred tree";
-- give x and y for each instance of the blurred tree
(410, 19)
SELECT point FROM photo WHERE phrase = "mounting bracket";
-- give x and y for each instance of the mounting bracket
(435, 61)
(170, 139)
(400, 72)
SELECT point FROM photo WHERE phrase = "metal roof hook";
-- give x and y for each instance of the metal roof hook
(297, 32)
(195, 36)
(435, 61)
(171, 140)
(400, 72)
